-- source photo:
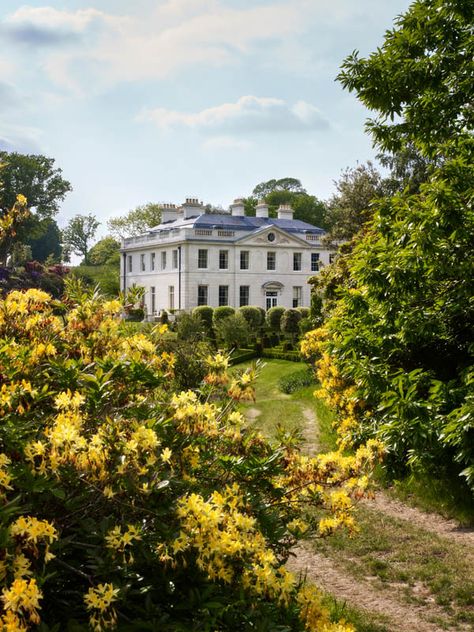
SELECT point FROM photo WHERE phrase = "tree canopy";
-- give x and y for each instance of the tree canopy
(396, 354)
(79, 233)
(136, 221)
(105, 251)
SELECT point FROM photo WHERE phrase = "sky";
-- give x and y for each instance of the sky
(158, 100)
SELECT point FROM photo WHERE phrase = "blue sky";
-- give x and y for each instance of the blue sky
(158, 100)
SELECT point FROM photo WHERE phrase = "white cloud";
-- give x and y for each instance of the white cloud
(247, 114)
(177, 34)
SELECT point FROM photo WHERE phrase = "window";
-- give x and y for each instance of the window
(130, 266)
(271, 260)
(223, 295)
(223, 259)
(202, 294)
(142, 263)
(175, 259)
(163, 260)
(244, 259)
(297, 296)
(152, 260)
(332, 256)
(314, 261)
(152, 300)
(171, 297)
(244, 295)
(297, 261)
(202, 258)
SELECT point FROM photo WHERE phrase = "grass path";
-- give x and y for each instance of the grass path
(406, 570)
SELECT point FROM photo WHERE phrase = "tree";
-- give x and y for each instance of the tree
(307, 208)
(284, 184)
(351, 207)
(420, 81)
(137, 221)
(396, 352)
(48, 243)
(35, 178)
(105, 251)
(79, 233)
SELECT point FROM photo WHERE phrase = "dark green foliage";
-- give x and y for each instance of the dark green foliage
(294, 381)
(190, 368)
(253, 316)
(106, 277)
(277, 354)
(220, 313)
(263, 315)
(402, 322)
(289, 323)
(205, 313)
(242, 355)
(105, 251)
(273, 318)
(232, 331)
(420, 81)
(304, 311)
(48, 242)
(191, 327)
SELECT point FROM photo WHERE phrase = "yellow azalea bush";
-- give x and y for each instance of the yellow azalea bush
(125, 505)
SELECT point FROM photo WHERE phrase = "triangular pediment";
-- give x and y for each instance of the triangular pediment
(281, 238)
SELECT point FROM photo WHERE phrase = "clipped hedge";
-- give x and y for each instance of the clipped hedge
(243, 355)
(273, 317)
(205, 313)
(222, 312)
(296, 380)
(252, 315)
(292, 356)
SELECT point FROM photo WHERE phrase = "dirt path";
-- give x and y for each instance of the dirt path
(431, 522)
(387, 601)
(363, 595)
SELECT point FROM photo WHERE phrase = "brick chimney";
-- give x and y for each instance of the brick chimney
(285, 211)
(262, 209)
(169, 213)
(237, 208)
(192, 208)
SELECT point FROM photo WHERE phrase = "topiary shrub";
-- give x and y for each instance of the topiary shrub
(273, 317)
(289, 323)
(220, 313)
(252, 315)
(263, 315)
(232, 331)
(304, 311)
(205, 314)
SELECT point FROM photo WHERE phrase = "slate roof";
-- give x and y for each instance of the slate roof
(240, 222)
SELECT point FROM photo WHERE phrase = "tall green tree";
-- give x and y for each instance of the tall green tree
(42, 184)
(78, 235)
(401, 334)
(48, 242)
(352, 204)
(283, 184)
(105, 251)
(136, 221)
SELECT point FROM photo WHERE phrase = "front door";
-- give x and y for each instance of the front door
(271, 299)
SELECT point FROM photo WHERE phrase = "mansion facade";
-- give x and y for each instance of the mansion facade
(196, 258)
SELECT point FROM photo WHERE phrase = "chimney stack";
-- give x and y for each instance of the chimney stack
(169, 213)
(192, 208)
(262, 209)
(237, 209)
(285, 211)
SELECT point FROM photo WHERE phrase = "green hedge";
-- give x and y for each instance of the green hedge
(293, 356)
(242, 355)
(297, 379)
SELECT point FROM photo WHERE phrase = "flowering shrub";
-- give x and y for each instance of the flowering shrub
(128, 506)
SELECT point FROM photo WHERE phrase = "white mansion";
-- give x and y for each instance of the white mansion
(197, 258)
